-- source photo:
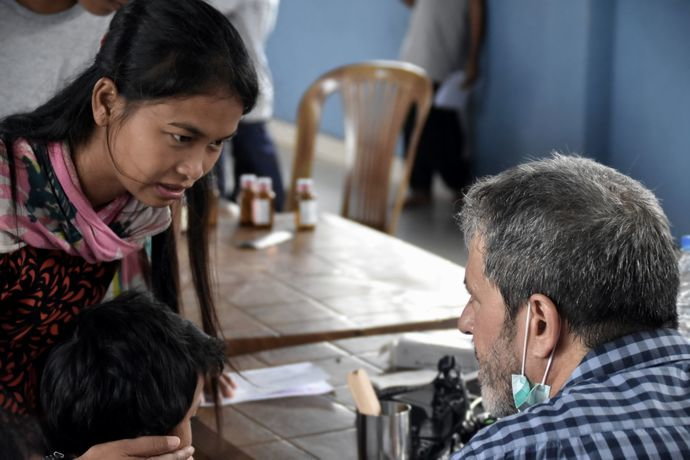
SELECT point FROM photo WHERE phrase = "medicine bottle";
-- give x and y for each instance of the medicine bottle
(306, 213)
(246, 198)
(262, 205)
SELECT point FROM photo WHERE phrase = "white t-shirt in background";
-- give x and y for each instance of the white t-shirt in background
(40, 53)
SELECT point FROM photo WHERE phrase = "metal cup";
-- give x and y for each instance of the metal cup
(385, 436)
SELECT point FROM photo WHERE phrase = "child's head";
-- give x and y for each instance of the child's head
(130, 368)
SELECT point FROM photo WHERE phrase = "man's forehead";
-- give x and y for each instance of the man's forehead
(474, 271)
(476, 253)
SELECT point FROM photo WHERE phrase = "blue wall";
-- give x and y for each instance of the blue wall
(650, 101)
(533, 96)
(314, 36)
(606, 78)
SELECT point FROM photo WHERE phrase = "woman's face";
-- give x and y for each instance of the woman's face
(160, 149)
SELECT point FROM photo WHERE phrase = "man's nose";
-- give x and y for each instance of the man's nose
(466, 320)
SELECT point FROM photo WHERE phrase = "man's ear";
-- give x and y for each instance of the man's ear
(545, 323)
(103, 98)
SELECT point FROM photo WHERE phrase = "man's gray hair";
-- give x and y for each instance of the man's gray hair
(593, 240)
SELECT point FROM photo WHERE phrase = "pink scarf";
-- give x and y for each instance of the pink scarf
(52, 211)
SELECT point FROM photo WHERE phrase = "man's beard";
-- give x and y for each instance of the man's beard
(495, 371)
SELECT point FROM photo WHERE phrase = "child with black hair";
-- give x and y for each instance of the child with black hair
(130, 368)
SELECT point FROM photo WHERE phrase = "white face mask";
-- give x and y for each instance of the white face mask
(524, 394)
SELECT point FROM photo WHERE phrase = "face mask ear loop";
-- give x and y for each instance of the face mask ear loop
(524, 347)
(548, 366)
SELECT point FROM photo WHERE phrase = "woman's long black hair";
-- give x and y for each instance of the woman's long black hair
(153, 50)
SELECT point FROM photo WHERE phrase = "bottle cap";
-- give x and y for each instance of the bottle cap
(685, 242)
(247, 180)
(265, 183)
(305, 184)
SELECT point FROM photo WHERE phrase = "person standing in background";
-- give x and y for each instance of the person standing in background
(253, 150)
(443, 37)
(43, 43)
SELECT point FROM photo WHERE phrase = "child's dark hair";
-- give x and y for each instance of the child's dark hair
(130, 368)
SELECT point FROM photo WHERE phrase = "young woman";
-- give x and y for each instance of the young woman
(89, 176)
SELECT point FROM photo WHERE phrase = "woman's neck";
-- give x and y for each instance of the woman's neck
(96, 171)
(47, 6)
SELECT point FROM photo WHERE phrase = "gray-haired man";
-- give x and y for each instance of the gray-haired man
(573, 279)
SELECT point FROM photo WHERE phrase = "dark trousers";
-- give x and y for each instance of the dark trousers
(440, 149)
(253, 152)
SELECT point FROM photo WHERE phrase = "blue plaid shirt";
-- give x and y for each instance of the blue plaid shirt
(627, 399)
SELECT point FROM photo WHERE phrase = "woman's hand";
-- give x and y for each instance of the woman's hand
(144, 448)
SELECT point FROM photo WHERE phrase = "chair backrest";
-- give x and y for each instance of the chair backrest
(377, 97)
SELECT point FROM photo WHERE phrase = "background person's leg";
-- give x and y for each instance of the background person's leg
(254, 152)
(450, 161)
(422, 168)
(219, 170)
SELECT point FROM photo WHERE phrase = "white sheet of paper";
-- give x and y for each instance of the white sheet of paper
(299, 379)
(266, 241)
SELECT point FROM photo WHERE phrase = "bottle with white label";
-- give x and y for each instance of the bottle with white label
(306, 214)
(262, 205)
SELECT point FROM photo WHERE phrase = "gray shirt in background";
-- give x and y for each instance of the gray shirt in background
(40, 53)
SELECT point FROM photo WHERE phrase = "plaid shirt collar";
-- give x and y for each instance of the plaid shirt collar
(635, 351)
